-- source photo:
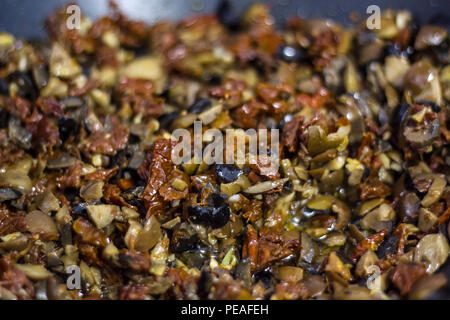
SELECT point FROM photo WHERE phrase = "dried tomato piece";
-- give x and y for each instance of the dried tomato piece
(246, 116)
(102, 174)
(138, 93)
(111, 194)
(371, 242)
(14, 280)
(264, 167)
(71, 178)
(107, 143)
(290, 133)
(133, 292)
(404, 276)
(252, 210)
(176, 187)
(134, 260)
(160, 167)
(11, 222)
(373, 188)
(89, 234)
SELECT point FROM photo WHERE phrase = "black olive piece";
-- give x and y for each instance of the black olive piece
(133, 192)
(80, 208)
(67, 127)
(290, 53)
(434, 106)
(139, 204)
(117, 160)
(221, 216)
(308, 212)
(228, 15)
(288, 187)
(227, 172)
(9, 194)
(396, 50)
(399, 115)
(25, 84)
(366, 173)
(200, 105)
(3, 118)
(388, 247)
(199, 214)
(213, 217)
(167, 118)
(213, 79)
(183, 239)
(217, 200)
(71, 194)
(4, 88)
(265, 276)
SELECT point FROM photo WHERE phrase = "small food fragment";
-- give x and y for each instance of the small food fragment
(102, 215)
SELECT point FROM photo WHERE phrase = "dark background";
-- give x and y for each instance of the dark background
(24, 18)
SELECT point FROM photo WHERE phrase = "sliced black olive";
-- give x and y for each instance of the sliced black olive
(228, 15)
(217, 200)
(9, 194)
(213, 217)
(220, 216)
(396, 50)
(213, 79)
(308, 212)
(200, 105)
(265, 276)
(80, 208)
(227, 172)
(399, 115)
(388, 247)
(183, 239)
(25, 85)
(290, 54)
(67, 127)
(287, 188)
(4, 88)
(71, 194)
(200, 215)
(134, 192)
(166, 119)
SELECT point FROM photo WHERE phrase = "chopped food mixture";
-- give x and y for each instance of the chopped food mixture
(92, 205)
